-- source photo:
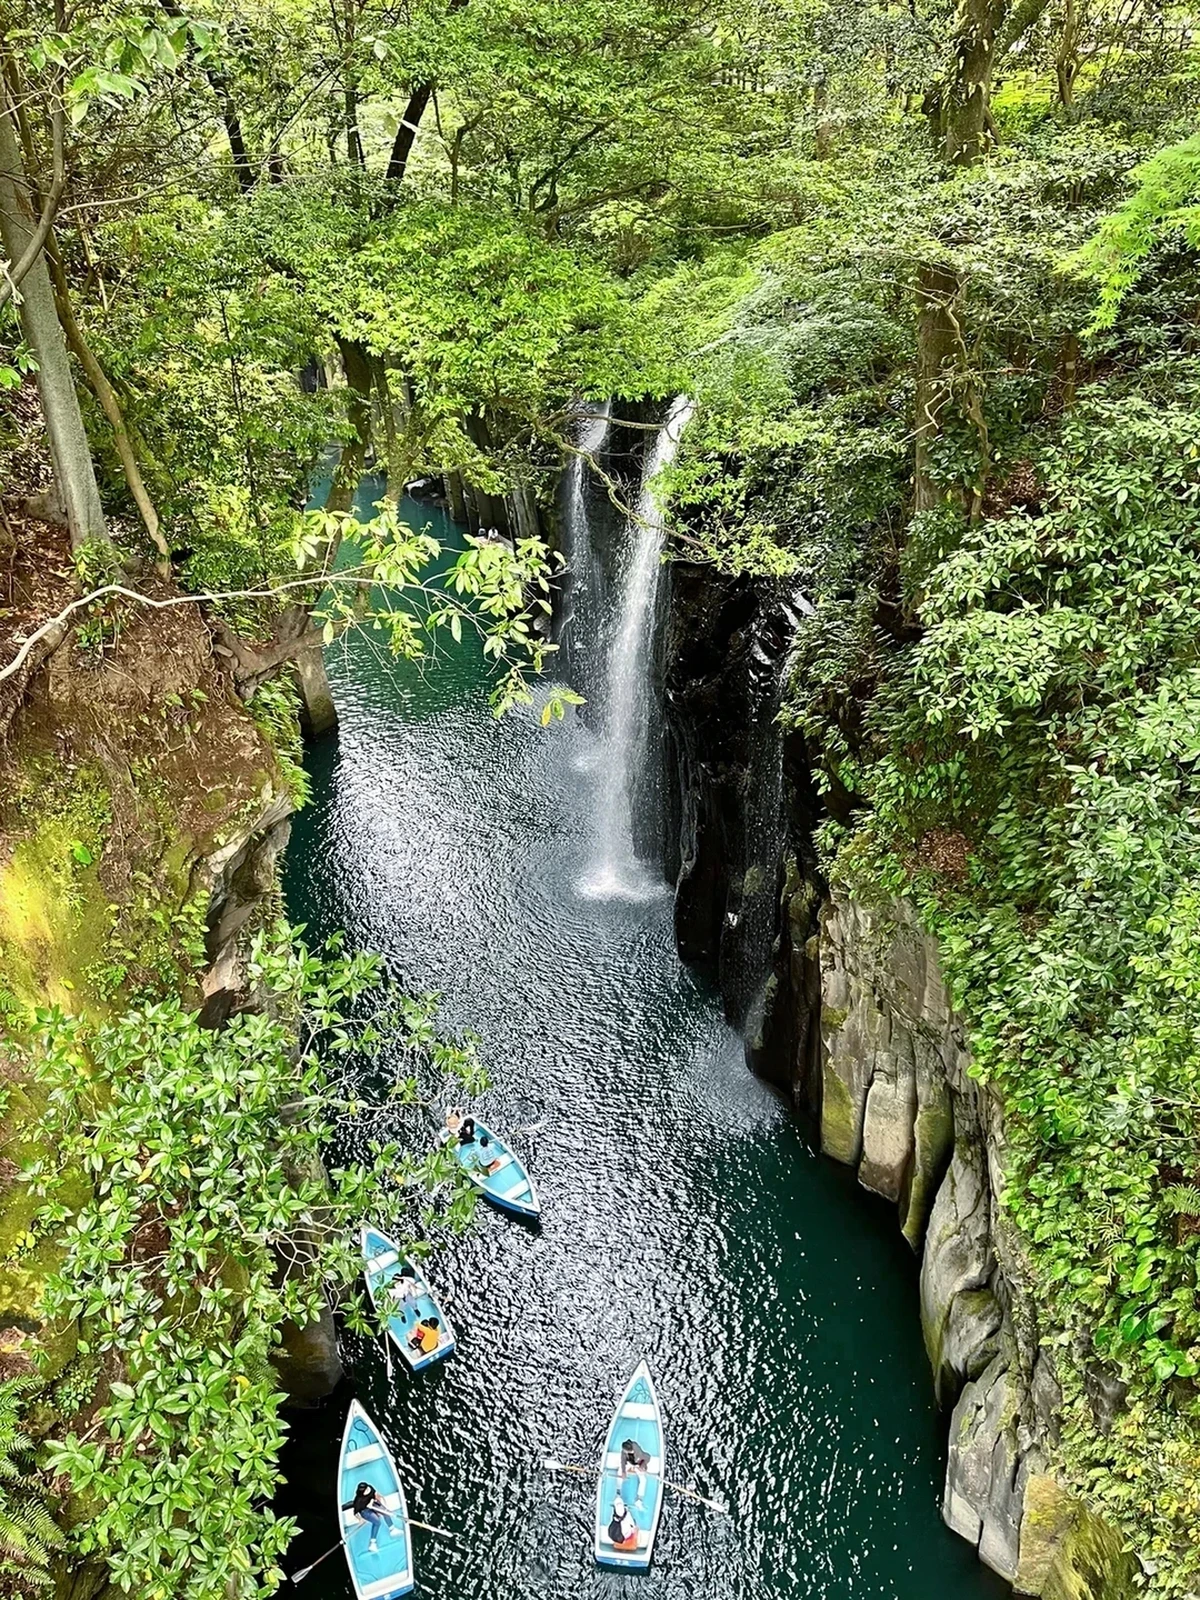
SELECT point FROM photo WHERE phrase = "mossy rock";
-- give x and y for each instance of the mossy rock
(841, 1120)
(1067, 1551)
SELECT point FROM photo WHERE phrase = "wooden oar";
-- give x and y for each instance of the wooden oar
(304, 1571)
(689, 1494)
(425, 1527)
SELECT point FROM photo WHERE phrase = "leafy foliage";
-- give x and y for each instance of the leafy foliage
(209, 1225)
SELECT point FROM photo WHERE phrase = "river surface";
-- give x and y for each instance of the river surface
(686, 1217)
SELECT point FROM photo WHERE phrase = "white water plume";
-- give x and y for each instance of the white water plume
(617, 872)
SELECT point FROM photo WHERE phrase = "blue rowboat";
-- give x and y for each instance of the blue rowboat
(382, 1267)
(639, 1418)
(387, 1570)
(508, 1183)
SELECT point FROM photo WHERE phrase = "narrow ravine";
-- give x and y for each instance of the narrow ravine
(686, 1219)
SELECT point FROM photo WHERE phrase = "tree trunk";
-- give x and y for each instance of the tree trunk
(455, 498)
(966, 104)
(396, 472)
(354, 144)
(69, 452)
(824, 128)
(962, 109)
(107, 397)
(937, 288)
(218, 80)
(1066, 58)
(356, 364)
(318, 715)
(1070, 369)
(406, 133)
(242, 165)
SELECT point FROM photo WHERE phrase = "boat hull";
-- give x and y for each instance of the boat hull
(387, 1571)
(511, 1187)
(382, 1263)
(637, 1417)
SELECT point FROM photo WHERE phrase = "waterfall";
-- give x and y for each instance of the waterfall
(616, 871)
(579, 575)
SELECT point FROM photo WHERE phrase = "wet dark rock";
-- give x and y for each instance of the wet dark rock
(1106, 1393)
(307, 1361)
(728, 779)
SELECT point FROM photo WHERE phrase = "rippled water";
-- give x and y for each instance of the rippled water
(685, 1217)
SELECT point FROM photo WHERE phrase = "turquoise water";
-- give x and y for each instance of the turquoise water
(686, 1217)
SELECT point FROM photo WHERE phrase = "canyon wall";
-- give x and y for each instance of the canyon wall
(846, 1010)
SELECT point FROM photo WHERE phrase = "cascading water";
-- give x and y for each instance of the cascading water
(617, 872)
(579, 575)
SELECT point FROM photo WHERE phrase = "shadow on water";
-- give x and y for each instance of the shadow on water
(685, 1217)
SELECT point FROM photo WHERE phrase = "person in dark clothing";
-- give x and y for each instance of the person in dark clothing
(634, 1462)
(369, 1507)
(622, 1529)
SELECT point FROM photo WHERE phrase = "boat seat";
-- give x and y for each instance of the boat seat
(503, 1160)
(384, 1586)
(513, 1189)
(365, 1453)
(612, 1463)
(640, 1411)
(381, 1262)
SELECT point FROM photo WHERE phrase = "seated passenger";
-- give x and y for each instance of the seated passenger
(403, 1291)
(484, 1156)
(622, 1529)
(426, 1336)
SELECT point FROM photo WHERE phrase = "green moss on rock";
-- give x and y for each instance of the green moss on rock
(1069, 1553)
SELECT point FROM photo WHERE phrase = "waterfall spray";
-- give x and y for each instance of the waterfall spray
(617, 873)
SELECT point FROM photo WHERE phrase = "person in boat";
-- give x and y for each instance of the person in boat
(622, 1528)
(466, 1132)
(635, 1462)
(426, 1336)
(368, 1506)
(454, 1120)
(403, 1291)
(484, 1156)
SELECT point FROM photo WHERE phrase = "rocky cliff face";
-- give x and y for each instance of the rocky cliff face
(854, 1021)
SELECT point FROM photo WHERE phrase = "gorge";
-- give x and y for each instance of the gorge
(785, 1333)
(778, 809)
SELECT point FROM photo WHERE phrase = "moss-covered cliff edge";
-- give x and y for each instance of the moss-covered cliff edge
(142, 807)
(847, 1009)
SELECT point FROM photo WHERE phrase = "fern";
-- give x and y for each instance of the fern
(1183, 1199)
(28, 1533)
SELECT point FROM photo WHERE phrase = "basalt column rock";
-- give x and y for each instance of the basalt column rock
(892, 1052)
(723, 647)
(899, 1104)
